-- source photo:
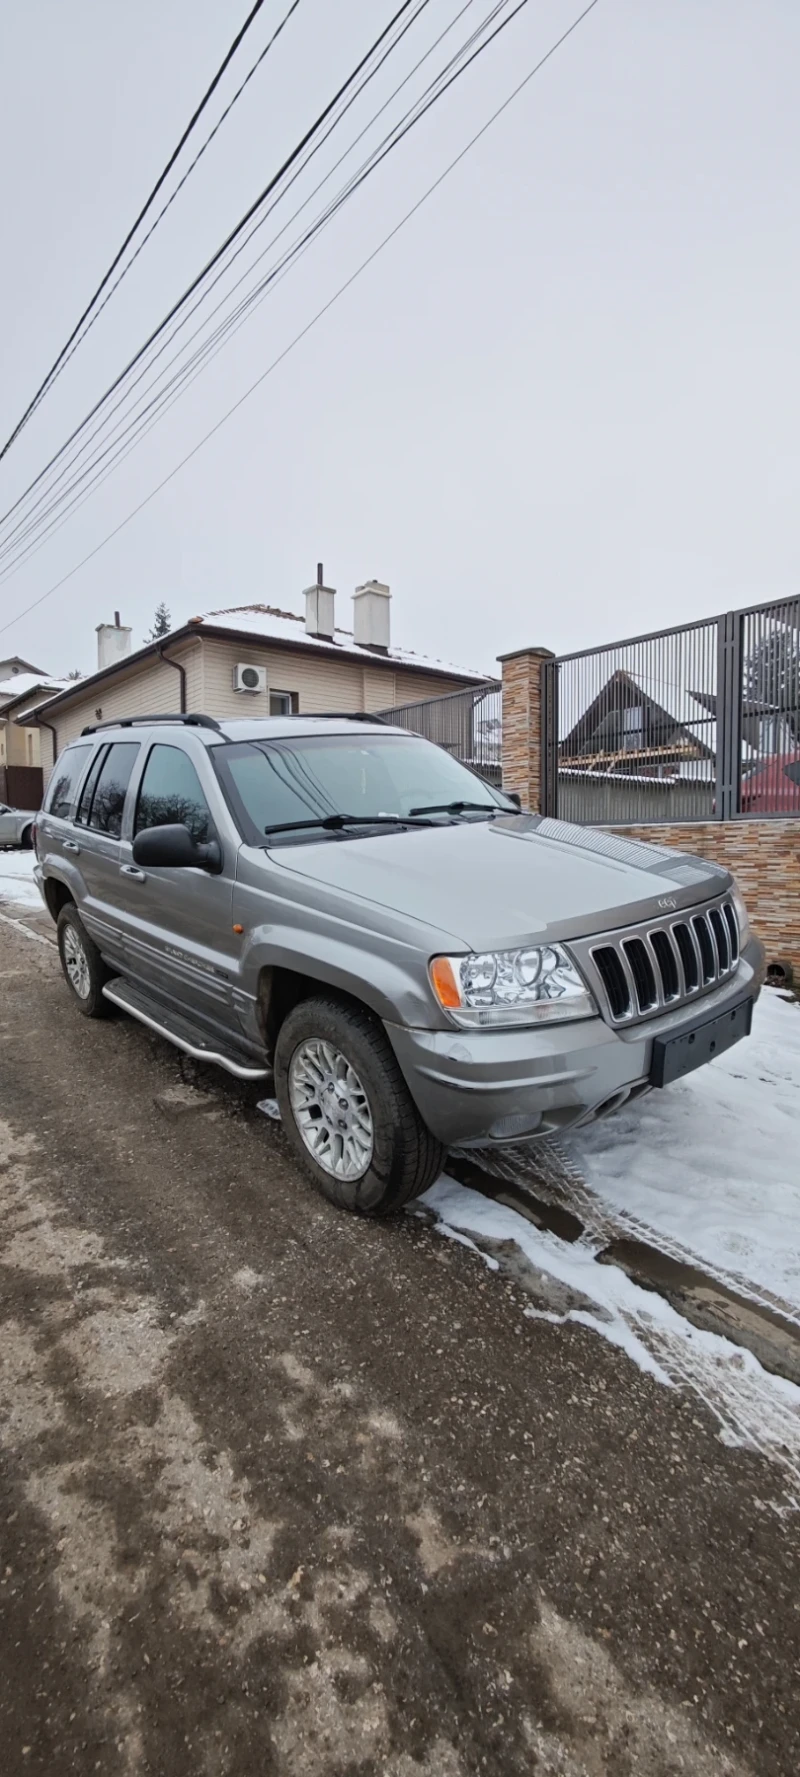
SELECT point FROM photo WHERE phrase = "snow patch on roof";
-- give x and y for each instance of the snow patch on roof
(22, 683)
(269, 623)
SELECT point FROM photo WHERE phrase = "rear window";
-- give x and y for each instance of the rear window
(63, 786)
(111, 788)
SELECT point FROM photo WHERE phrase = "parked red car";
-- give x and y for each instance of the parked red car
(774, 786)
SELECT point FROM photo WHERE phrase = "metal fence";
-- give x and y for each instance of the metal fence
(700, 722)
(467, 724)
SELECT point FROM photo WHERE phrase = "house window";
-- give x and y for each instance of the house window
(633, 726)
(282, 703)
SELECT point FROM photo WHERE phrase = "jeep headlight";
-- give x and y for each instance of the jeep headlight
(742, 917)
(537, 985)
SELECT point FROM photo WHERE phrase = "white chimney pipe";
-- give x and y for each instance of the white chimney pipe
(320, 600)
(371, 618)
(113, 643)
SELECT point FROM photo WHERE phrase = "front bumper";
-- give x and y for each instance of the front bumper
(506, 1085)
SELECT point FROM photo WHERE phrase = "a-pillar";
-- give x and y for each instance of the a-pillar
(522, 723)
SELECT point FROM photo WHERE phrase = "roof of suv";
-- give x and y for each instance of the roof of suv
(213, 733)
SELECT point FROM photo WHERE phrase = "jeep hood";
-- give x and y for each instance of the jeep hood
(509, 881)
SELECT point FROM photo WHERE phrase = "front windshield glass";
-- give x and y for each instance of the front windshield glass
(315, 776)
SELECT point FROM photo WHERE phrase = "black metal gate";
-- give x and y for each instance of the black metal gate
(700, 722)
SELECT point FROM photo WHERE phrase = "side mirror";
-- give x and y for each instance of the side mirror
(514, 796)
(173, 848)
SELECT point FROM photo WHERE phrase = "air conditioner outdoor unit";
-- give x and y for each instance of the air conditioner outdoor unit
(249, 678)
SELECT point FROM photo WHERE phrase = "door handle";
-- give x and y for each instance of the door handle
(132, 870)
(69, 845)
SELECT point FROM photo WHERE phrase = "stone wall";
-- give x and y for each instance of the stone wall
(765, 859)
(522, 724)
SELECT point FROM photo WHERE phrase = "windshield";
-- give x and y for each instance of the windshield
(315, 776)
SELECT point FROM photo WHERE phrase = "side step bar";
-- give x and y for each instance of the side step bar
(179, 1030)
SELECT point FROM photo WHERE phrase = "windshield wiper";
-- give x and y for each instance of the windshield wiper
(333, 823)
(458, 808)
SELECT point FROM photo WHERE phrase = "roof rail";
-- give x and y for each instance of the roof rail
(336, 716)
(191, 721)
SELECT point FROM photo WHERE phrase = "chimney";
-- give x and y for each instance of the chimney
(371, 624)
(319, 608)
(113, 643)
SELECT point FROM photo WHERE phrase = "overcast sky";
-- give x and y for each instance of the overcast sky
(562, 405)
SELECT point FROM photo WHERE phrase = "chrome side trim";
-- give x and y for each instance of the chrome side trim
(197, 1054)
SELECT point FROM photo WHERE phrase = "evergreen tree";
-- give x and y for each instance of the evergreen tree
(162, 623)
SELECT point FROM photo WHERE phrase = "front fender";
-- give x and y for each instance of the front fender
(396, 992)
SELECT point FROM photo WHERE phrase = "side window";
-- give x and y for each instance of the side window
(64, 782)
(111, 787)
(170, 792)
(90, 780)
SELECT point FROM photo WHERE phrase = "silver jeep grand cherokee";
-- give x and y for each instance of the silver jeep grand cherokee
(419, 964)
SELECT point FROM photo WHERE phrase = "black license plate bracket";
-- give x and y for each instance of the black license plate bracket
(673, 1057)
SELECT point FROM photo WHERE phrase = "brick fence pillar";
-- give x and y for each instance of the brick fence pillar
(522, 723)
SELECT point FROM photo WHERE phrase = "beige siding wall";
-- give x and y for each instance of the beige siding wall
(317, 682)
(22, 745)
(152, 686)
(411, 686)
(19, 746)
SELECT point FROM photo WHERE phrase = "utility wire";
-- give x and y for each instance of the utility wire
(165, 399)
(54, 368)
(179, 187)
(318, 316)
(22, 522)
(214, 260)
(231, 324)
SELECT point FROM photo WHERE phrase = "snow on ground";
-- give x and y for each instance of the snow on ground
(708, 1171)
(753, 1407)
(712, 1164)
(16, 879)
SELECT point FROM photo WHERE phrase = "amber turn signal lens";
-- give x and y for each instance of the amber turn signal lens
(445, 985)
(239, 930)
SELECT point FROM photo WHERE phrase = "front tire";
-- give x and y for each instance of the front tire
(84, 970)
(347, 1110)
(26, 841)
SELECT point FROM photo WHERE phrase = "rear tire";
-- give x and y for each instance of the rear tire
(26, 842)
(378, 1154)
(84, 970)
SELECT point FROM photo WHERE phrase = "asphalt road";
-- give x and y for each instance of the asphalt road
(285, 1494)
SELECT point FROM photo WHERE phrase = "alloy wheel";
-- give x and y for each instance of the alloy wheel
(331, 1109)
(76, 963)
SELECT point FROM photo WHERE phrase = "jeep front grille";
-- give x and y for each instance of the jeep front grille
(655, 967)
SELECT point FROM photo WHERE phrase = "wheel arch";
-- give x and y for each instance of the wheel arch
(56, 895)
(280, 989)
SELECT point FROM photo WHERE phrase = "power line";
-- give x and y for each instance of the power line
(301, 335)
(235, 232)
(52, 372)
(26, 521)
(246, 307)
(178, 188)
